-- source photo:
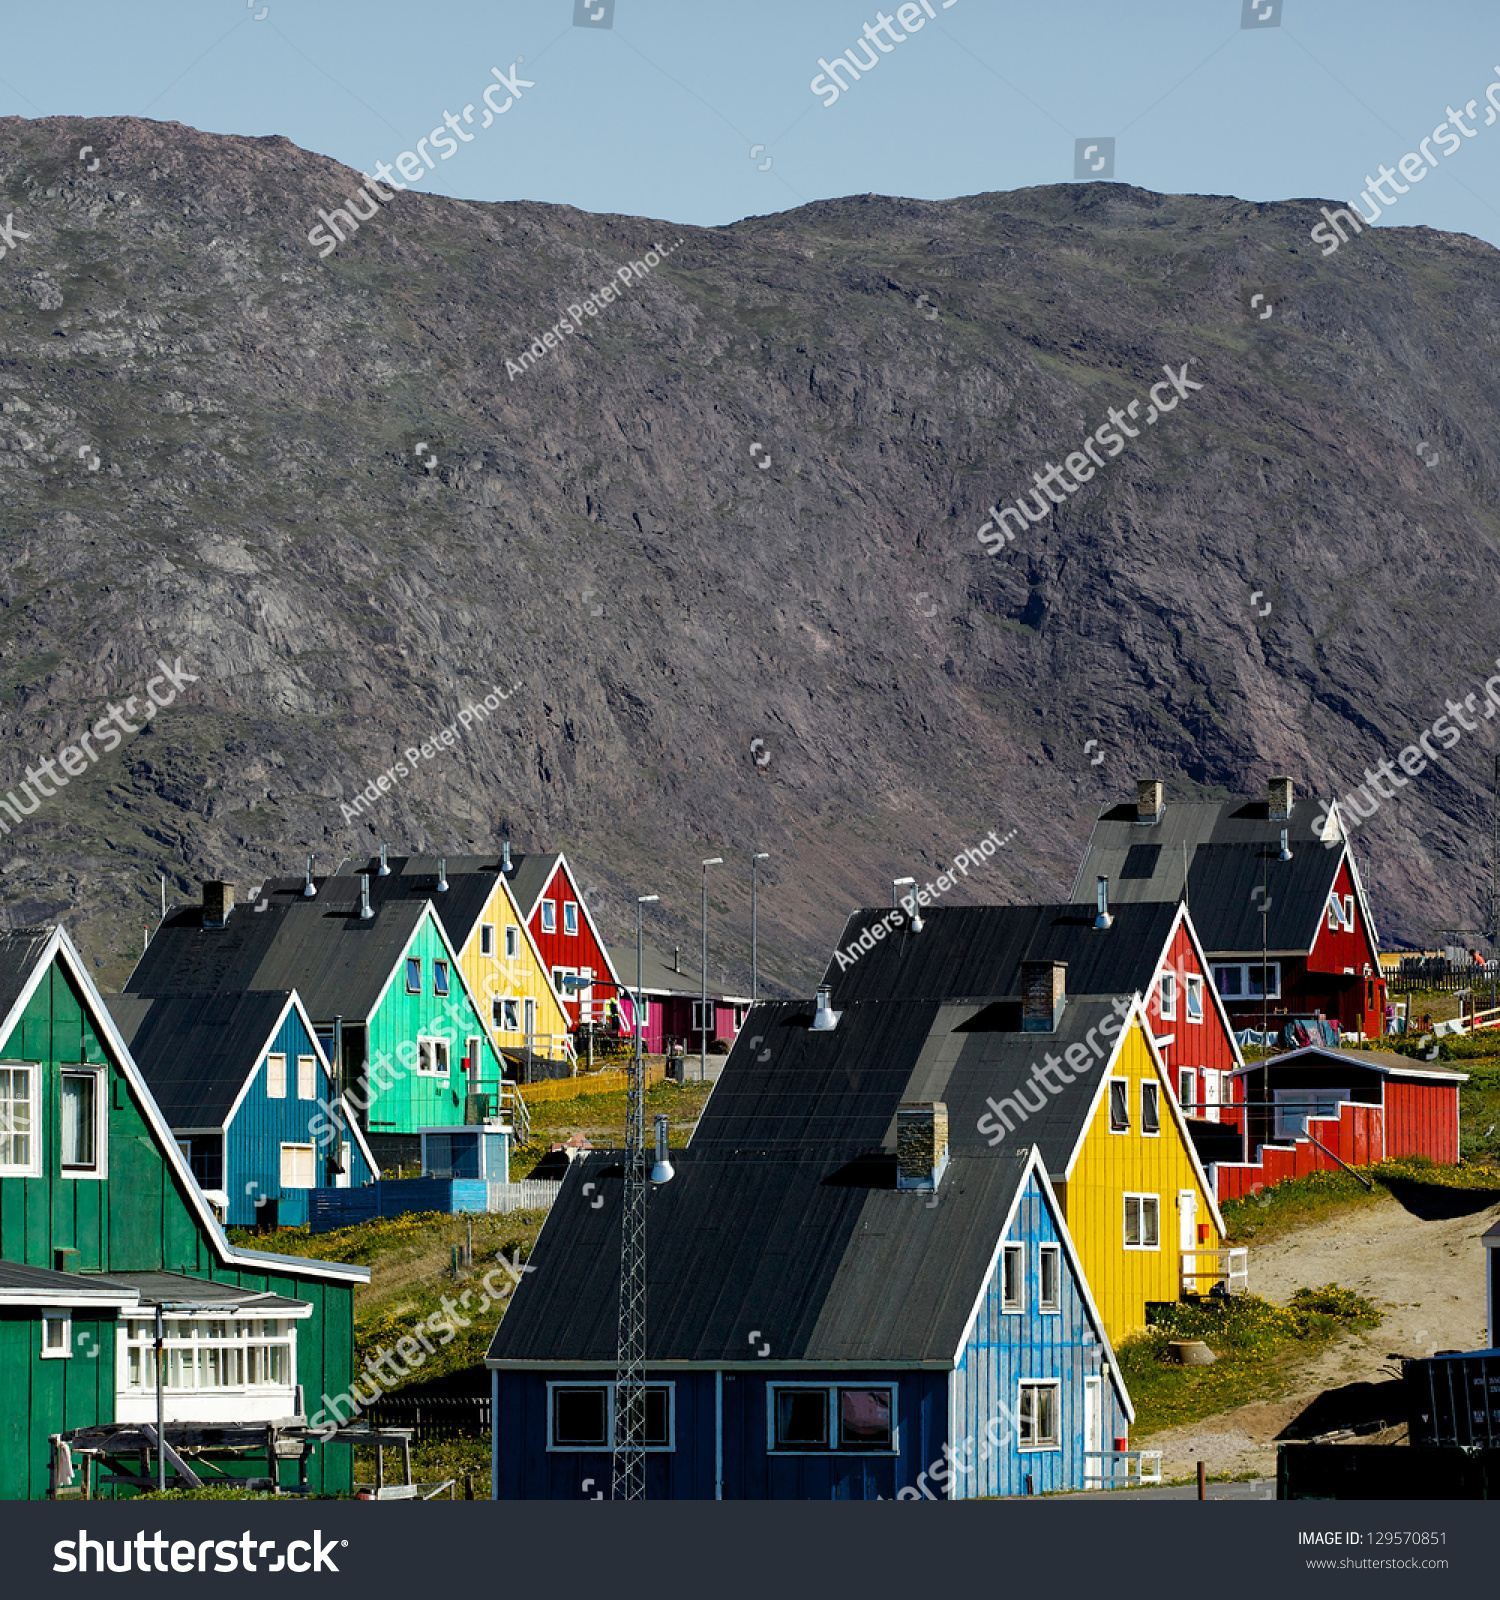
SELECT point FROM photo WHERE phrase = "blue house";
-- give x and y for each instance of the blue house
(835, 1309)
(246, 1088)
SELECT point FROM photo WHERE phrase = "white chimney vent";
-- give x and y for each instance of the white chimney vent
(1103, 920)
(826, 1019)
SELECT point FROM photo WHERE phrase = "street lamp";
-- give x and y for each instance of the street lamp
(760, 855)
(710, 861)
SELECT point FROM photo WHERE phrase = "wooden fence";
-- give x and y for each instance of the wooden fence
(588, 1083)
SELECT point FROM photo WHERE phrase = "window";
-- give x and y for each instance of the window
(1295, 1106)
(1185, 1095)
(208, 1353)
(17, 1119)
(307, 1077)
(1194, 987)
(432, 1058)
(1168, 997)
(79, 1124)
(1013, 1278)
(276, 1077)
(564, 992)
(1150, 1109)
(570, 917)
(487, 938)
(841, 1417)
(1049, 1278)
(507, 1015)
(1038, 1415)
(440, 978)
(1349, 912)
(583, 1416)
(297, 1167)
(1142, 1214)
(57, 1334)
(512, 941)
(413, 975)
(1119, 1105)
(703, 1017)
(549, 916)
(1242, 981)
(740, 1013)
(1335, 913)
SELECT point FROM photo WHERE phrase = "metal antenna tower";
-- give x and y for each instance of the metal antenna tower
(629, 1482)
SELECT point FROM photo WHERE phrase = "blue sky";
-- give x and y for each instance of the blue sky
(657, 114)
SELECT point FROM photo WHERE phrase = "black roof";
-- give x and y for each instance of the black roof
(20, 950)
(1231, 850)
(157, 1288)
(17, 1277)
(1382, 1063)
(823, 1263)
(336, 961)
(471, 882)
(196, 1050)
(977, 951)
(658, 975)
(529, 875)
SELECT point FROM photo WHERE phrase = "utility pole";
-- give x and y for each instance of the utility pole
(764, 855)
(629, 1478)
(1495, 881)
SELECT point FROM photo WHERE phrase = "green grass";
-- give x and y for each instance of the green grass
(601, 1118)
(1255, 1342)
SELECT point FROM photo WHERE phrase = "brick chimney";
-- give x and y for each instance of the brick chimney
(1044, 993)
(1150, 799)
(1281, 799)
(921, 1144)
(218, 902)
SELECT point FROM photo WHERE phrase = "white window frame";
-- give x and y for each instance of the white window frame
(295, 1150)
(409, 962)
(1244, 969)
(276, 1075)
(1294, 1103)
(441, 965)
(1013, 1265)
(711, 1013)
(549, 916)
(1166, 991)
(1189, 1075)
(1049, 1306)
(1150, 1090)
(570, 914)
(1110, 1095)
(438, 1045)
(559, 988)
(51, 1316)
(1335, 913)
(1141, 1202)
(834, 1447)
(307, 1077)
(608, 1386)
(512, 941)
(486, 938)
(98, 1168)
(1039, 1446)
(242, 1332)
(1349, 912)
(32, 1166)
(507, 1023)
(1193, 996)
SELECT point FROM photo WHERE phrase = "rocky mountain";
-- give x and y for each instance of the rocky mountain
(717, 542)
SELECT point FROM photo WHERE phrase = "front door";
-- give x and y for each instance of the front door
(1093, 1431)
(1187, 1238)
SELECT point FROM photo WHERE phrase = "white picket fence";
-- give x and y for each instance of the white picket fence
(530, 1194)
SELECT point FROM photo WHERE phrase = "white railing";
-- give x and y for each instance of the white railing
(1231, 1267)
(1111, 1461)
(530, 1194)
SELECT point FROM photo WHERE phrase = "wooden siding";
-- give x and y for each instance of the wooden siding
(138, 1219)
(252, 1143)
(43, 1397)
(1006, 1347)
(573, 950)
(1355, 1136)
(520, 978)
(411, 1101)
(1421, 1119)
(1206, 1045)
(1110, 1165)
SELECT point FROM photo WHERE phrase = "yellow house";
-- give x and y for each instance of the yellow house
(496, 950)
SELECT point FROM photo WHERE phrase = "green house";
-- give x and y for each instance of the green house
(380, 980)
(101, 1224)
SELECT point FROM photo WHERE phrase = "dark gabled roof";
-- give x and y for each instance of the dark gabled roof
(1385, 1063)
(471, 882)
(158, 1288)
(528, 877)
(197, 1050)
(1227, 847)
(977, 951)
(822, 1262)
(658, 974)
(338, 963)
(20, 950)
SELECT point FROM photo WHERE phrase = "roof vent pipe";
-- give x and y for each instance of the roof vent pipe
(826, 1019)
(309, 888)
(663, 1171)
(442, 882)
(505, 855)
(1103, 920)
(365, 912)
(385, 870)
(1286, 854)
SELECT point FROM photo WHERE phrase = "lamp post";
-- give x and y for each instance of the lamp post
(710, 861)
(760, 855)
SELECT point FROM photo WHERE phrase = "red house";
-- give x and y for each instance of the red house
(672, 993)
(571, 946)
(1274, 893)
